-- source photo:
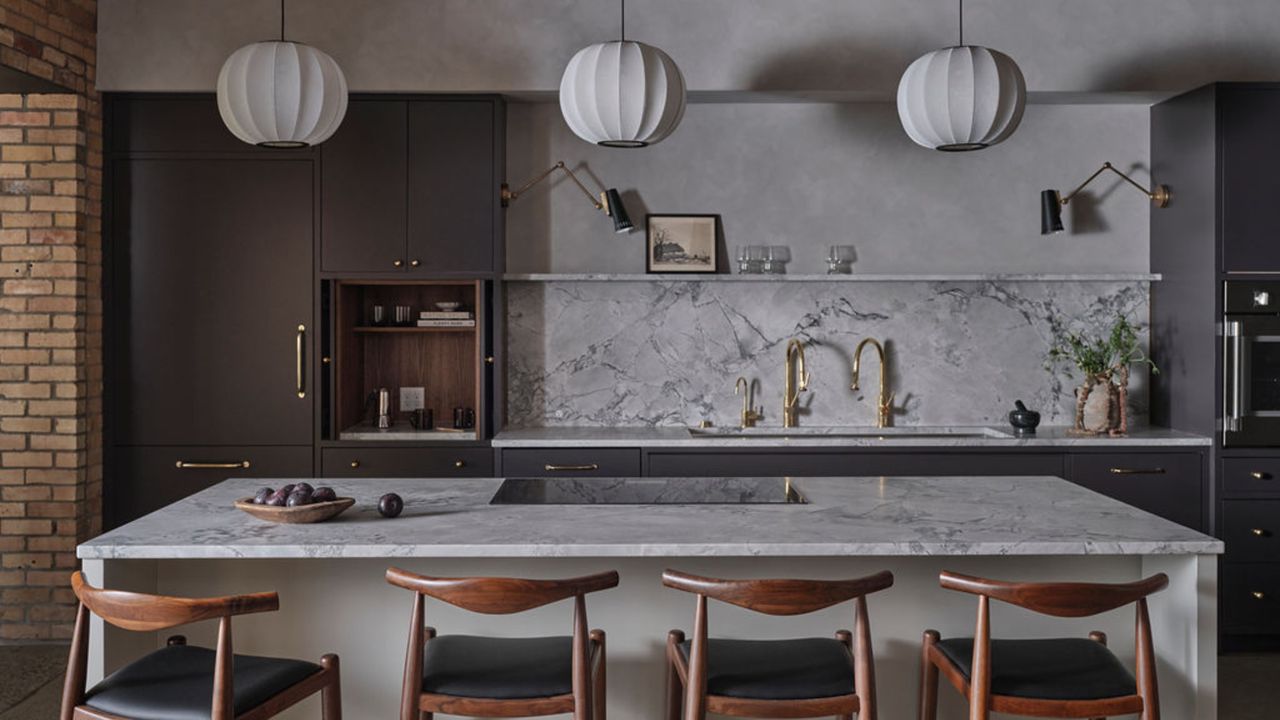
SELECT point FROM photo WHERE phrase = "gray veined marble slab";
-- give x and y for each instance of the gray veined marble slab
(921, 516)
(914, 436)
(851, 277)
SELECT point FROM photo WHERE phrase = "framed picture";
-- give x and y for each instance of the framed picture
(681, 243)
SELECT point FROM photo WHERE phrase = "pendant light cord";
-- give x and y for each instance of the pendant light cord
(281, 20)
(961, 22)
(624, 20)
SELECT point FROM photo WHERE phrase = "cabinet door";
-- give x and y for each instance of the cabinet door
(148, 478)
(362, 221)
(453, 189)
(1250, 155)
(1164, 484)
(406, 462)
(211, 278)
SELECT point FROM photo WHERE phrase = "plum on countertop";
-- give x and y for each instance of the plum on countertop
(260, 497)
(390, 505)
(324, 494)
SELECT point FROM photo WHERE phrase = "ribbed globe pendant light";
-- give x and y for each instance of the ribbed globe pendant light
(281, 94)
(622, 93)
(960, 98)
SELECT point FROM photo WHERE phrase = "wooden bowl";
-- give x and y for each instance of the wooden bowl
(313, 513)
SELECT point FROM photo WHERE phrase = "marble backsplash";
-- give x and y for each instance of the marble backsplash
(668, 353)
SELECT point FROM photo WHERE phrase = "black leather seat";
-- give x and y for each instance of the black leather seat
(176, 683)
(498, 668)
(1057, 669)
(776, 669)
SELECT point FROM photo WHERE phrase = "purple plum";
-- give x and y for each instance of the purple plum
(324, 494)
(260, 497)
(297, 498)
(390, 505)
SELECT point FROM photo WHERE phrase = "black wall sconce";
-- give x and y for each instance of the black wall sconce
(609, 201)
(1051, 202)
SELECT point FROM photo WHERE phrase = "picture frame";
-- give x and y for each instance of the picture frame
(685, 243)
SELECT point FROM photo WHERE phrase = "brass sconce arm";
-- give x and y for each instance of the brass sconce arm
(1159, 195)
(509, 195)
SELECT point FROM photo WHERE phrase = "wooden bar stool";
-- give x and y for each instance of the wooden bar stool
(503, 677)
(1058, 678)
(183, 682)
(808, 677)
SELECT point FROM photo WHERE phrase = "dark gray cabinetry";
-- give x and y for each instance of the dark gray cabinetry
(584, 462)
(411, 188)
(1250, 527)
(1166, 484)
(406, 462)
(1250, 156)
(841, 463)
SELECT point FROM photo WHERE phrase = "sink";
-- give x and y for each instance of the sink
(951, 433)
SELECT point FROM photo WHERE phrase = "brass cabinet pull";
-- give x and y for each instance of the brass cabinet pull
(1259, 532)
(355, 463)
(1259, 475)
(1258, 594)
(488, 359)
(189, 465)
(398, 263)
(459, 464)
(570, 468)
(1137, 471)
(414, 263)
(326, 360)
(302, 370)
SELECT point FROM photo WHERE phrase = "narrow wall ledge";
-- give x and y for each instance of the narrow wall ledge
(856, 277)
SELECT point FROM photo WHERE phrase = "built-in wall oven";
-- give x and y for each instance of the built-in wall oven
(1251, 364)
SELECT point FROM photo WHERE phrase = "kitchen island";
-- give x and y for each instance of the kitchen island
(333, 597)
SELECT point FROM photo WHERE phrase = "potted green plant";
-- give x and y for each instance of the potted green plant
(1102, 400)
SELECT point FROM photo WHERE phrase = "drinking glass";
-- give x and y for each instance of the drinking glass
(378, 316)
(776, 258)
(839, 259)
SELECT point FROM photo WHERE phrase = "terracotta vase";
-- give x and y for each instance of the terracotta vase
(1100, 406)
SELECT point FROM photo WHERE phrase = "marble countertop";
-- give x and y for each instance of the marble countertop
(944, 437)
(918, 516)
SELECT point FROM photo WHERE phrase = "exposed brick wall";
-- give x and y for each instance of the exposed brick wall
(50, 314)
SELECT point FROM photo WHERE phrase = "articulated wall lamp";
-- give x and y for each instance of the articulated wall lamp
(1051, 203)
(609, 202)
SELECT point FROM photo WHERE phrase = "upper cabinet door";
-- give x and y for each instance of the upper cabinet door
(211, 278)
(1250, 156)
(363, 190)
(453, 186)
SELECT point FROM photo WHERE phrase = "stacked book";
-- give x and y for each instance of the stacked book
(457, 318)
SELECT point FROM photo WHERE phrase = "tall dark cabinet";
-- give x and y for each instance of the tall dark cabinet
(1215, 148)
(222, 334)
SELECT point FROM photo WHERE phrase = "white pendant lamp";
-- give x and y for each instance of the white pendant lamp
(622, 93)
(961, 98)
(281, 94)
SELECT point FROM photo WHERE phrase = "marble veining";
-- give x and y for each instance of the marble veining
(844, 517)
(667, 353)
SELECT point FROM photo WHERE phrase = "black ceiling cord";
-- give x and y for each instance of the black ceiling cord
(961, 22)
(281, 20)
(624, 20)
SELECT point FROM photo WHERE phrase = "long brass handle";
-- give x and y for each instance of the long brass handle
(188, 465)
(302, 370)
(1137, 471)
(570, 468)
(1259, 475)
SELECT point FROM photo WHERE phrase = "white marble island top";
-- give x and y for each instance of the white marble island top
(855, 516)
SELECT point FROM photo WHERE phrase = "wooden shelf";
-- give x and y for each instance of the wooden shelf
(413, 329)
(853, 278)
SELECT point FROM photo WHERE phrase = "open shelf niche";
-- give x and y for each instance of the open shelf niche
(445, 362)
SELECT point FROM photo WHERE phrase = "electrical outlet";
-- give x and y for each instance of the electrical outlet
(412, 398)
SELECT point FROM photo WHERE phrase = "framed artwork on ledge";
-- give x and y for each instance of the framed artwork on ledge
(681, 243)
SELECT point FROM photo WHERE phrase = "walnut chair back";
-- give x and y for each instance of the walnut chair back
(142, 612)
(1057, 599)
(780, 597)
(505, 596)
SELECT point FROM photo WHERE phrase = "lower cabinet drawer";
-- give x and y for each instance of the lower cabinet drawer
(804, 464)
(148, 478)
(1251, 530)
(575, 462)
(1250, 598)
(1164, 484)
(406, 462)
(1251, 477)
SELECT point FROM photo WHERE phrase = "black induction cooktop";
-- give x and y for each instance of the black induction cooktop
(647, 491)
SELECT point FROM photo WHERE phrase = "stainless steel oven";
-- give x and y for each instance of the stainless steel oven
(1251, 364)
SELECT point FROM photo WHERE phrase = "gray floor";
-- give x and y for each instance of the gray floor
(31, 683)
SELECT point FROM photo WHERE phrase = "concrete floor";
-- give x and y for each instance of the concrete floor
(31, 683)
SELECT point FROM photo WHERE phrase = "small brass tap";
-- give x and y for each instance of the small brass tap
(884, 403)
(795, 381)
(749, 415)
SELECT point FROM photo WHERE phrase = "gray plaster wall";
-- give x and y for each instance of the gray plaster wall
(819, 174)
(859, 45)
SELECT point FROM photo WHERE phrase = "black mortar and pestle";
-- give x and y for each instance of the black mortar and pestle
(1024, 421)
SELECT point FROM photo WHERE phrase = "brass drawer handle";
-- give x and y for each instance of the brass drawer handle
(398, 263)
(1258, 595)
(302, 371)
(459, 464)
(414, 263)
(1137, 471)
(1259, 475)
(570, 468)
(1259, 532)
(355, 463)
(189, 465)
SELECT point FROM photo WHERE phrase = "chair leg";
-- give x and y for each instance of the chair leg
(1101, 638)
(428, 634)
(846, 638)
(331, 694)
(928, 677)
(599, 679)
(675, 689)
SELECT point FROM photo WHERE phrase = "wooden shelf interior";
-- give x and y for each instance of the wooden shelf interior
(446, 362)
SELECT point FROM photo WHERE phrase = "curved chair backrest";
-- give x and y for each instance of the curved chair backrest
(500, 596)
(1059, 599)
(142, 612)
(779, 597)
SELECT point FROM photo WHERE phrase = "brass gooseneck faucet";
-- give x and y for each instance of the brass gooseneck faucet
(795, 381)
(749, 414)
(884, 403)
